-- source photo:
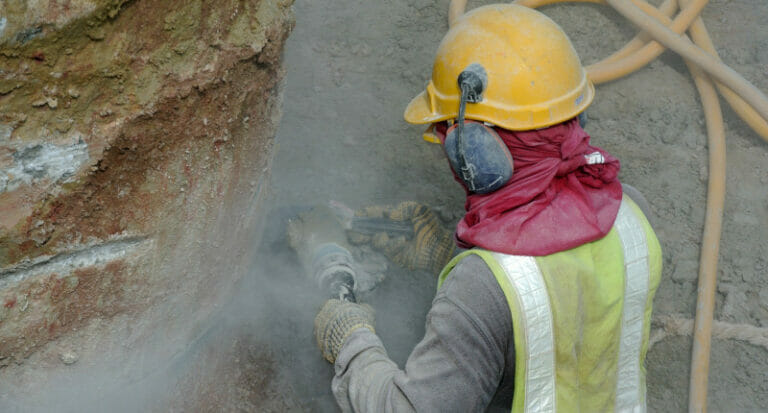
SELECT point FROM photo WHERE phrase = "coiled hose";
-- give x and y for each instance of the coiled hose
(660, 31)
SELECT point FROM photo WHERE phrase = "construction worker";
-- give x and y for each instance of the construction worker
(548, 308)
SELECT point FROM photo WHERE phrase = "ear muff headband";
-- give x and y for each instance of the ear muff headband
(481, 161)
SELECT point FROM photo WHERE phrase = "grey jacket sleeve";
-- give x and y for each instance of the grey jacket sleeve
(458, 365)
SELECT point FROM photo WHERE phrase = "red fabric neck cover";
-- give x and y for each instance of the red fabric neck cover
(554, 201)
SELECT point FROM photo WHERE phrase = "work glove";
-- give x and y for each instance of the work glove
(428, 248)
(336, 321)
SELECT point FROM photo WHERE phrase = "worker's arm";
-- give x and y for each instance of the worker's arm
(427, 247)
(458, 365)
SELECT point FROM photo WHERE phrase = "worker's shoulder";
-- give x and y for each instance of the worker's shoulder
(471, 292)
(470, 263)
(471, 280)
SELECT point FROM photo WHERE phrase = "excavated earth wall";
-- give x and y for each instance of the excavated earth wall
(135, 139)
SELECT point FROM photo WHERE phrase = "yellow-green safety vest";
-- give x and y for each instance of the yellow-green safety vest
(581, 318)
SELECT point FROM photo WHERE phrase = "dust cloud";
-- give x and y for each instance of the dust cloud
(351, 69)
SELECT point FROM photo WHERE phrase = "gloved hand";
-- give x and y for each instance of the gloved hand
(336, 321)
(430, 248)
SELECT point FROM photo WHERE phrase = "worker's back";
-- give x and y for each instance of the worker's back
(581, 318)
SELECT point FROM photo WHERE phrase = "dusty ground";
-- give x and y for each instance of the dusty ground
(352, 68)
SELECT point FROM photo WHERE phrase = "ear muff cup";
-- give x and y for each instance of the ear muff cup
(489, 165)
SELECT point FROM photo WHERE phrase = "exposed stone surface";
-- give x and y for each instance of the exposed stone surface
(23, 20)
(134, 137)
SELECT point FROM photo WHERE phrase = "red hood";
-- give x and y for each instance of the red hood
(563, 193)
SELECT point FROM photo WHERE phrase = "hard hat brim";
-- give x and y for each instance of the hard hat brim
(419, 111)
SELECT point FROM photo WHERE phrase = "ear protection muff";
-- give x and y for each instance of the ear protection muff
(476, 152)
(487, 163)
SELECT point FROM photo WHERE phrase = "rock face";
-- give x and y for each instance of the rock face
(134, 140)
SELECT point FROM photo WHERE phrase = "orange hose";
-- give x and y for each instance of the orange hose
(455, 10)
(710, 244)
(701, 38)
(606, 71)
(687, 50)
(667, 8)
(758, 124)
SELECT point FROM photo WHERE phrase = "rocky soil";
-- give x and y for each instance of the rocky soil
(135, 142)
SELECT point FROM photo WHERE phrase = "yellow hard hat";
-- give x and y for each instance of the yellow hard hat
(534, 76)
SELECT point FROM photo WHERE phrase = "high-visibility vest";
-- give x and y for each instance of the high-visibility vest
(581, 319)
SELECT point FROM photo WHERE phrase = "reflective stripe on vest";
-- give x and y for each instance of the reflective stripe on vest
(580, 341)
(524, 274)
(630, 383)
